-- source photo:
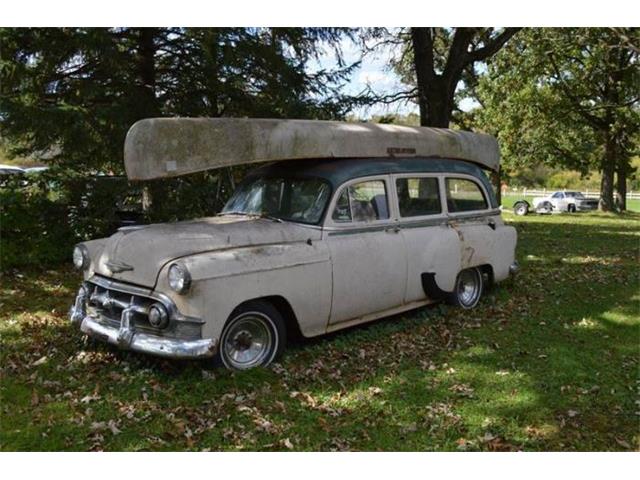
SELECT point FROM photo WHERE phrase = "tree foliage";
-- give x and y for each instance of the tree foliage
(566, 97)
(74, 92)
(69, 95)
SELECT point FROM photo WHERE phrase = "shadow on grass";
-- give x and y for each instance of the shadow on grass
(547, 361)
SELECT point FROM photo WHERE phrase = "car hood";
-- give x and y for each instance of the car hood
(137, 254)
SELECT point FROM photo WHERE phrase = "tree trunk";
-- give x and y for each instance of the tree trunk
(436, 90)
(422, 61)
(439, 104)
(621, 184)
(496, 178)
(434, 97)
(608, 170)
(148, 105)
(147, 72)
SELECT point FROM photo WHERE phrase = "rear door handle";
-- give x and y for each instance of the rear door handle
(393, 229)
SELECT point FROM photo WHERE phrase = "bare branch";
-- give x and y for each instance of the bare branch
(492, 46)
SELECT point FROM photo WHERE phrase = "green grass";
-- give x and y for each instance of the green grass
(633, 205)
(546, 362)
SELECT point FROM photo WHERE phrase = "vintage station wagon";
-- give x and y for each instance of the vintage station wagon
(344, 224)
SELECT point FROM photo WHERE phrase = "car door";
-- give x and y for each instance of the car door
(558, 201)
(432, 246)
(483, 237)
(367, 252)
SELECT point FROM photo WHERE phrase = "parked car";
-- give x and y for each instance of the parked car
(311, 243)
(35, 170)
(11, 170)
(8, 172)
(560, 201)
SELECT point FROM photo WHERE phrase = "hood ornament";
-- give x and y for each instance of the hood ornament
(117, 267)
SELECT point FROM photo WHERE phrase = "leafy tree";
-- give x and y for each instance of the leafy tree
(71, 94)
(566, 97)
(74, 92)
(440, 64)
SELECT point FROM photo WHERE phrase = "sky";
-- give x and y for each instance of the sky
(374, 71)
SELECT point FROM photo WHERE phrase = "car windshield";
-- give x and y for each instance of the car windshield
(293, 199)
(574, 195)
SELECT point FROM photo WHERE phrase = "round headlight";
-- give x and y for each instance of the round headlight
(80, 257)
(158, 316)
(179, 278)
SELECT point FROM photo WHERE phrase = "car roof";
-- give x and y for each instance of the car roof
(11, 167)
(338, 171)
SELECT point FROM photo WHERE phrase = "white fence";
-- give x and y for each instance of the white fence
(526, 192)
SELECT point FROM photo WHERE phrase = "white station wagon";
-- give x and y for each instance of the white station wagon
(343, 224)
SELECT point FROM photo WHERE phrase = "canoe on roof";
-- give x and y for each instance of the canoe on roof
(168, 147)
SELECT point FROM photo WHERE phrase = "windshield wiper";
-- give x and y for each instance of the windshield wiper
(258, 215)
(244, 214)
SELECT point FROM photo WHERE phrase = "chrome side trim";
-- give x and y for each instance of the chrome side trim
(476, 215)
(457, 219)
(151, 344)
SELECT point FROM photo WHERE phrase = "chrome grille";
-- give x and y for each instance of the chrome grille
(110, 303)
(106, 300)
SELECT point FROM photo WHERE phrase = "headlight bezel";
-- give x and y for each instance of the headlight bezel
(179, 278)
(83, 253)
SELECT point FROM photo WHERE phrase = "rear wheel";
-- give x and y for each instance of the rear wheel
(468, 288)
(571, 208)
(254, 336)
(521, 208)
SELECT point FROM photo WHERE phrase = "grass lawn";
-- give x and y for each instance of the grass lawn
(549, 361)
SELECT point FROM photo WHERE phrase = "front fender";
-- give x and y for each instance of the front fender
(222, 280)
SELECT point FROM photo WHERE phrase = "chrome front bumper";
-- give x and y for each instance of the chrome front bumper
(126, 337)
(152, 344)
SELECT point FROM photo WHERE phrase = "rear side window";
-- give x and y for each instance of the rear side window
(362, 202)
(418, 196)
(464, 195)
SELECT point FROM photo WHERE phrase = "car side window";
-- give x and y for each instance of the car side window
(557, 195)
(362, 202)
(418, 196)
(342, 212)
(464, 195)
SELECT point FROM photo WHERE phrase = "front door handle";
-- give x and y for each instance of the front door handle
(393, 229)
(492, 224)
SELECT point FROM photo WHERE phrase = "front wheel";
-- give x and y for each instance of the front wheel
(468, 288)
(253, 337)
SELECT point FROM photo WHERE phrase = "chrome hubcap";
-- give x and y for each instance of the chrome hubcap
(468, 287)
(248, 342)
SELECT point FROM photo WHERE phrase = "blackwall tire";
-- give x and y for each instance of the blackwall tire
(254, 336)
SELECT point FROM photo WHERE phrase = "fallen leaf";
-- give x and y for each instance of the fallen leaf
(40, 361)
(287, 443)
(375, 390)
(622, 443)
